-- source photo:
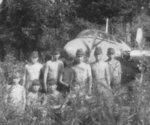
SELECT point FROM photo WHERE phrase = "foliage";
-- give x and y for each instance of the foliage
(130, 106)
(42, 25)
(28, 20)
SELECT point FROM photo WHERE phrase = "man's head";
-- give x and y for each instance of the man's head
(80, 55)
(55, 55)
(34, 57)
(35, 86)
(110, 53)
(48, 57)
(98, 53)
(68, 61)
(16, 77)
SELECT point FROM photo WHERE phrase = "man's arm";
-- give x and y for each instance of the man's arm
(25, 76)
(45, 76)
(90, 79)
(24, 98)
(60, 70)
(119, 72)
(107, 74)
(119, 69)
(61, 81)
(6, 97)
(8, 88)
(73, 78)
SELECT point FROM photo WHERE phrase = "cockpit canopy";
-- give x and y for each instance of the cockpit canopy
(99, 34)
(91, 38)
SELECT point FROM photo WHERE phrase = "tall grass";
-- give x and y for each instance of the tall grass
(130, 106)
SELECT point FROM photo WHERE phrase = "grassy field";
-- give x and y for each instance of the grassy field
(130, 106)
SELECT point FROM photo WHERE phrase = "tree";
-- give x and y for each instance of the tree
(97, 10)
(28, 25)
(26, 21)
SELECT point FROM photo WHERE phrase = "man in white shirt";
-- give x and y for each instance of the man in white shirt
(100, 74)
(32, 70)
(82, 78)
(114, 69)
(52, 72)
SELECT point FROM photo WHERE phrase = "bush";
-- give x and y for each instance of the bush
(130, 106)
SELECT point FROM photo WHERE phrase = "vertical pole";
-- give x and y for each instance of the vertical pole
(107, 21)
(1, 1)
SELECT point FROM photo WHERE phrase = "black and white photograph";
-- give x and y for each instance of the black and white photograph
(74, 62)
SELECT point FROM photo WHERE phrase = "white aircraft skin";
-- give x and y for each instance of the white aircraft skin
(89, 39)
(140, 53)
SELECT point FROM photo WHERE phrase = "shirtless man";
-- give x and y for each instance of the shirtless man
(66, 75)
(32, 70)
(82, 78)
(100, 74)
(52, 72)
(16, 95)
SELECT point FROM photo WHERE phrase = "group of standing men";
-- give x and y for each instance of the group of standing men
(82, 78)
(75, 77)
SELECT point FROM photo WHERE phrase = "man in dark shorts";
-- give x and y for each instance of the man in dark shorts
(53, 68)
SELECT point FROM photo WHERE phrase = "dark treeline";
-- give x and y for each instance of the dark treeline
(42, 25)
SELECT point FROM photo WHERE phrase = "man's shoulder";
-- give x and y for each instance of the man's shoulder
(93, 63)
(73, 67)
(60, 62)
(40, 64)
(85, 65)
(48, 62)
(37, 64)
(22, 87)
(116, 62)
(27, 65)
(17, 87)
(70, 70)
(106, 60)
(88, 65)
(8, 87)
(105, 63)
(102, 63)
